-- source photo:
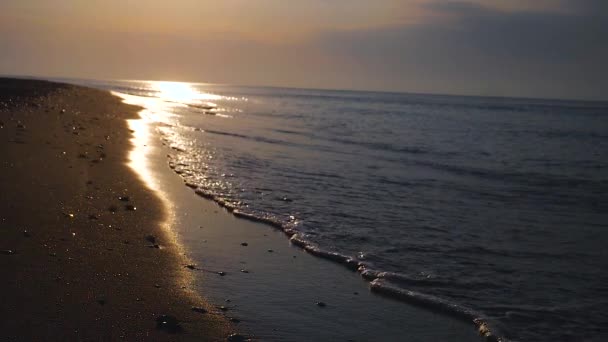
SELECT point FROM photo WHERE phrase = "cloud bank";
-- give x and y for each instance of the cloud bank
(456, 47)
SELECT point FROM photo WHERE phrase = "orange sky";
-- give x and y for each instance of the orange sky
(405, 45)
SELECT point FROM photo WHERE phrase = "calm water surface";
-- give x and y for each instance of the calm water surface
(495, 206)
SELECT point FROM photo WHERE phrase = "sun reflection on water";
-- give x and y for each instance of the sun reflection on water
(181, 92)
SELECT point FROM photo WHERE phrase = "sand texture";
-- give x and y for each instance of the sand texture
(78, 262)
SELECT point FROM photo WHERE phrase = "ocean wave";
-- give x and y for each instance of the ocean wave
(383, 283)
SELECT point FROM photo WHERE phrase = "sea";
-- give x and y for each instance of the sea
(489, 207)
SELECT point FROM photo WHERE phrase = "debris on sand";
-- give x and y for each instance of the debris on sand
(199, 309)
(168, 323)
(150, 238)
(237, 338)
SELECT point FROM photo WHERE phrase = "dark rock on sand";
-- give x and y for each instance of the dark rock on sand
(7, 252)
(123, 198)
(168, 323)
(236, 338)
(150, 238)
(244, 244)
(190, 266)
(321, 304)
(199, 309)
(130, 207)
(221, 273)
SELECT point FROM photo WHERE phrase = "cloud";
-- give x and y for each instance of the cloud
(465, 47)
(555, 48)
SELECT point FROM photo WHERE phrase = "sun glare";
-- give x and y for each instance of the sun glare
(181, 92)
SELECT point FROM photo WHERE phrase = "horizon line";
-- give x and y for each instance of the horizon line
(400, 92)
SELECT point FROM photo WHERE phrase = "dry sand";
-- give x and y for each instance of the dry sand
(75, 261)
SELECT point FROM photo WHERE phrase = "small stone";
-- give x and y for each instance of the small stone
(191, 266)
(199, 309)
(123, 198)
(270, 251)
(221, 273)
(321, 304)
(7, 252)
(244, 244)
(130, 207)
(223, 308)
(236, 338)
(150, 238)
(168, 323)
(235, 320)
(244, 271)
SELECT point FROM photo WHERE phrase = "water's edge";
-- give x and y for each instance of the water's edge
(379, 281)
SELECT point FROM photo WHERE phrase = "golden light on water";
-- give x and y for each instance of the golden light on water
(181, 92)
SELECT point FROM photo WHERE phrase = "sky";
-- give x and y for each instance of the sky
(541, 48)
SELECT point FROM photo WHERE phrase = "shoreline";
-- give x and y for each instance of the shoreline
(78, 227)
(218, 241)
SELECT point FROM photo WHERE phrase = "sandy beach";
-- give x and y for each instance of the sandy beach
(83, 250)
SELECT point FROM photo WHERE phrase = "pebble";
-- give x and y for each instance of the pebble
(7, 252)
(191, 266)
(123, 198)
(221, 273)
(168, 323)
(236, 338)
(245, 244)
(199, 309)
(130, 207)
(321, 304)
(150, 238)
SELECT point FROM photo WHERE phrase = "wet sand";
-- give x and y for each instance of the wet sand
(84, 250)
(272, 289)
